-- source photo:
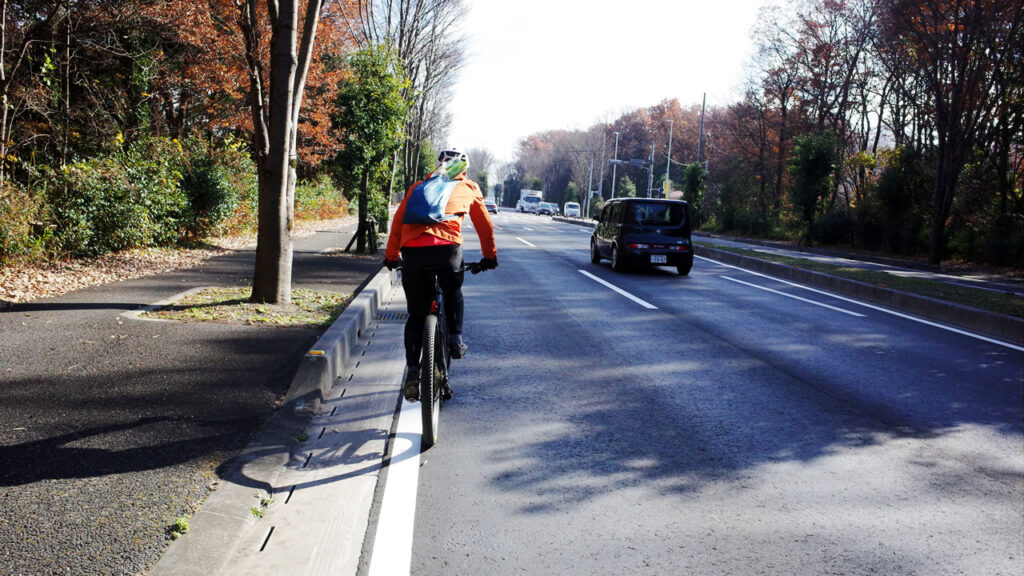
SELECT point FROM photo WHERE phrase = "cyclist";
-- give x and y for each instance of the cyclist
(427, 247)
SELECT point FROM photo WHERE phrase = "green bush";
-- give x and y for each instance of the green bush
(216, 179)
(129, 199)
(22, 235)
(1006, 241)
(836, 227)
(904, 195)
(869, 225)
(319, 198)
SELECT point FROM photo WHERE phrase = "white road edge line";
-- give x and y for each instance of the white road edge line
(614, 288)
(527, 228)
(878, 308)
(525, 242)
(392, 546)
(858, 315)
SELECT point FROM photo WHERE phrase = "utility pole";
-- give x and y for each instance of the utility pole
(600, 171)
(668, 159)
(616, 163)
(650, 172)
(590, 183)
(700, 140)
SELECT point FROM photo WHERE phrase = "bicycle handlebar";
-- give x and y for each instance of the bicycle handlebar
(472, 267)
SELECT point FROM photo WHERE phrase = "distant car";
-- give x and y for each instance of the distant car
(572, 209)
(491, 206)
(643, 232)
(549, 208)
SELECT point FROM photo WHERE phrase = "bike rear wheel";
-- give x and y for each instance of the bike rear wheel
(431, 380)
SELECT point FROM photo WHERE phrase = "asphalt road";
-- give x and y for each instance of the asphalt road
(111, 428)
(721, 423)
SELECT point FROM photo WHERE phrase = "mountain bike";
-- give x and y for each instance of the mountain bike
(435, 360)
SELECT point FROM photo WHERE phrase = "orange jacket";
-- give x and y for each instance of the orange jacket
(466, 198)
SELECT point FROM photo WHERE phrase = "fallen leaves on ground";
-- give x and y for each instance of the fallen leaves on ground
(25, 283)
(28, 282)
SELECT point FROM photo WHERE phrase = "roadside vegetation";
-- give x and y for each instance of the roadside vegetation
(894, 127)
(138, 126)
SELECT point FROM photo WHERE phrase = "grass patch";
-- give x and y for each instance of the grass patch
(972, 297)
(179, 528)
(308, 308)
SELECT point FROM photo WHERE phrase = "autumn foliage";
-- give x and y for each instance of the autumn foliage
(87, 83)
(923, 101)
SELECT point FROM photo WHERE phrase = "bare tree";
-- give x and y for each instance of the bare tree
(423, 33)
(959, 46)
(480, 158)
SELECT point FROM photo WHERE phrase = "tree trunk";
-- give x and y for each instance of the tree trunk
(275, 127)
(272, 278)
(364, 197)
(947, 174)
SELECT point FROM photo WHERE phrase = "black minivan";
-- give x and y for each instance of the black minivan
(643, 231)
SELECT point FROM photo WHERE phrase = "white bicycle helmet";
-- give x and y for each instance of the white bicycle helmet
(451, 154)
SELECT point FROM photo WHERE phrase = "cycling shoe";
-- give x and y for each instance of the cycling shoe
(411, 390)
(457, 347)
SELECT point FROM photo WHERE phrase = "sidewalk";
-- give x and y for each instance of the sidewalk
(112, 428)
(317, 461)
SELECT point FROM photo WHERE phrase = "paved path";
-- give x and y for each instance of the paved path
(111, 428)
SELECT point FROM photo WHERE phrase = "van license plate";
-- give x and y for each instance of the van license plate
(658, 259)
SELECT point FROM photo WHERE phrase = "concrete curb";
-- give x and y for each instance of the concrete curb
(325, 360)
(221, 524)
(576, 221)
(1003, 327)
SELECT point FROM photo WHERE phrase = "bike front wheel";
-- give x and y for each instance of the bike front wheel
(431, 380)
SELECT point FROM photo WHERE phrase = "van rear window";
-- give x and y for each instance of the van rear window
(654, 213)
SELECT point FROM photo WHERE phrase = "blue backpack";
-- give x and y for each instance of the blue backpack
(428, 200)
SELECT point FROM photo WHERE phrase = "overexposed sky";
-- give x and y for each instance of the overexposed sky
(536, 65)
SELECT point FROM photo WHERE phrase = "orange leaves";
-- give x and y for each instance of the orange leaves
(204, 72)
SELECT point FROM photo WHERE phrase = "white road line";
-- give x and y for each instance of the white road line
(392, 546)
(525, 242)
(527, 228)
(643, 303)
(793, 297)
(877, 308)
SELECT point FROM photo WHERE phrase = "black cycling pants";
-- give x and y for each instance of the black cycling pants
(419, 265)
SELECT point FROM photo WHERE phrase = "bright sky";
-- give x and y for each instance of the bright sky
(537, 65)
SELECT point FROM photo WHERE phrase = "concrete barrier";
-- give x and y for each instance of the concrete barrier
(329, 355)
